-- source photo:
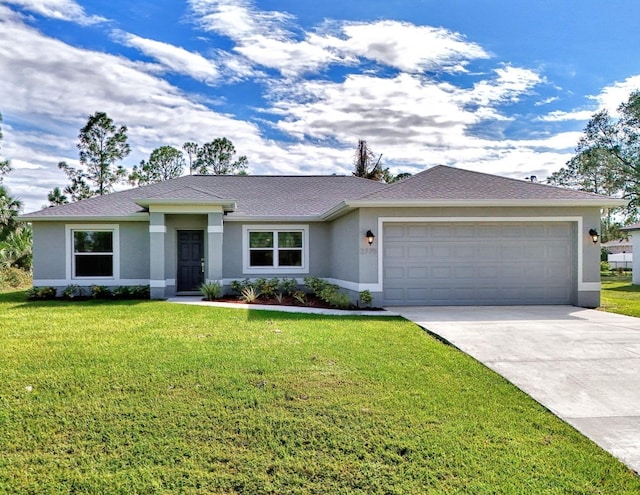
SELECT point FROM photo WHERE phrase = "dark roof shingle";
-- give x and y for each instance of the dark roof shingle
(313, 196)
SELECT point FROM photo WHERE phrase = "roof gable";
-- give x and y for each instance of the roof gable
(448, 183)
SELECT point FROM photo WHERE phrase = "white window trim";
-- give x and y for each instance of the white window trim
(69, 254)
(247, 269)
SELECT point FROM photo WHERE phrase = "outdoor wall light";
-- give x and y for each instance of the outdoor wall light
(370, 237)
(594, 235)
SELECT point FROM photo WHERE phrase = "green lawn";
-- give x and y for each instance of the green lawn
(153, 397)
(619, 296)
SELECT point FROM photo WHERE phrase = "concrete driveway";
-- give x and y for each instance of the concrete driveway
(582, 364)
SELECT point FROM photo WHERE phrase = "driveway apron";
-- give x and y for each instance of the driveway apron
(582, 364)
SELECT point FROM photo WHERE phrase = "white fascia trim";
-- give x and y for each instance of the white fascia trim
(162, 283)
(283, 219)
(474, 203)
(68, 251)
(138, 217)
(59, 282)
(582, 285)
(215, 229)
(246, 269)
(157, 229)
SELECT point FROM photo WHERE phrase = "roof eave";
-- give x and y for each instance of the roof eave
(225, 203)
(474, 203)
(273, 218)
(136, 217)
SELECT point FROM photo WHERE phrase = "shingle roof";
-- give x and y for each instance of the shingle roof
(254, 195)
(313, 196)
(447, 183)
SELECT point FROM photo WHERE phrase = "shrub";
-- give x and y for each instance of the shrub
(328, 292)
(132, 292)
(315, 284)
(249, 294)
(300, 296)
(237, 286)
(72, 291)
(42, 293)
(604, 266)
(100, 292)
(122, 292)
(366, 298)
(340, 300)
(288, 286)
(211, 290)
(140, 292)
(268, 288)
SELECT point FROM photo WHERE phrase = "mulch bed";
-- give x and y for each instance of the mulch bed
(311, 301)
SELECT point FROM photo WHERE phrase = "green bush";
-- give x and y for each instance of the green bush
(42, 293)
(268, 288)
(315, 284)
(100, 292)
(604, 266)
(237, 286)
(366, 298)
(288, 286)
(211, 290)
(329, 293)
(340, 300)
(132, 292)
(72, 291)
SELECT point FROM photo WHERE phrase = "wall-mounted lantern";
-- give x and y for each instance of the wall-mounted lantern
(594, 235)
(370, 237)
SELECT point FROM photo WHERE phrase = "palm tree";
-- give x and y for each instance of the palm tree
(17, 248)
(9, 209)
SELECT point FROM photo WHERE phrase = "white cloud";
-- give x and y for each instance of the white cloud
(612, 96)
(560, 116)
(175, 58)
(263, 38)
(65, 10)
(509, 86)
(404, 46)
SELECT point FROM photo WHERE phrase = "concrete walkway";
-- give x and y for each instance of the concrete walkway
(583, 365)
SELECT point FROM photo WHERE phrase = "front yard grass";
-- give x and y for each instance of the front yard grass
(619, 296)
(154, 397)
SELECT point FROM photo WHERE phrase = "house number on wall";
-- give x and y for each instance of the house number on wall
(368, 251)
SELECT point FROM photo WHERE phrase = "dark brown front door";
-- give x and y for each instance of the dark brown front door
(190, 259)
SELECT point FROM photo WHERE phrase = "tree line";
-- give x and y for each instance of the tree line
(607, 161)
(102, 144)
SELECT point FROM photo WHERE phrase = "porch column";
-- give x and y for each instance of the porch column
(214, 247)
(157, 233)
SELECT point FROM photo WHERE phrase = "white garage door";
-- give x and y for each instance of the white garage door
(478, 263)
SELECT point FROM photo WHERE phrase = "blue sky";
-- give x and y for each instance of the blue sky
(500, 86)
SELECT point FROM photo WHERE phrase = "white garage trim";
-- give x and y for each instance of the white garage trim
(582, 285)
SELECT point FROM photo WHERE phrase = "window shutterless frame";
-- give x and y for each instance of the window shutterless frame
(275, 249)
(92, 252)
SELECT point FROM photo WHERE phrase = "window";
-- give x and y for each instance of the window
(93, 253)
(281, 249)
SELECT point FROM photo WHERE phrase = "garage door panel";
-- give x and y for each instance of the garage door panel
(479, 263)
(417, 251)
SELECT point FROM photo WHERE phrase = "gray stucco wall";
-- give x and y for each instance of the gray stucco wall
(345, 244)
(50, 258)
(134, 250)
(48, 251)
(319, 251)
